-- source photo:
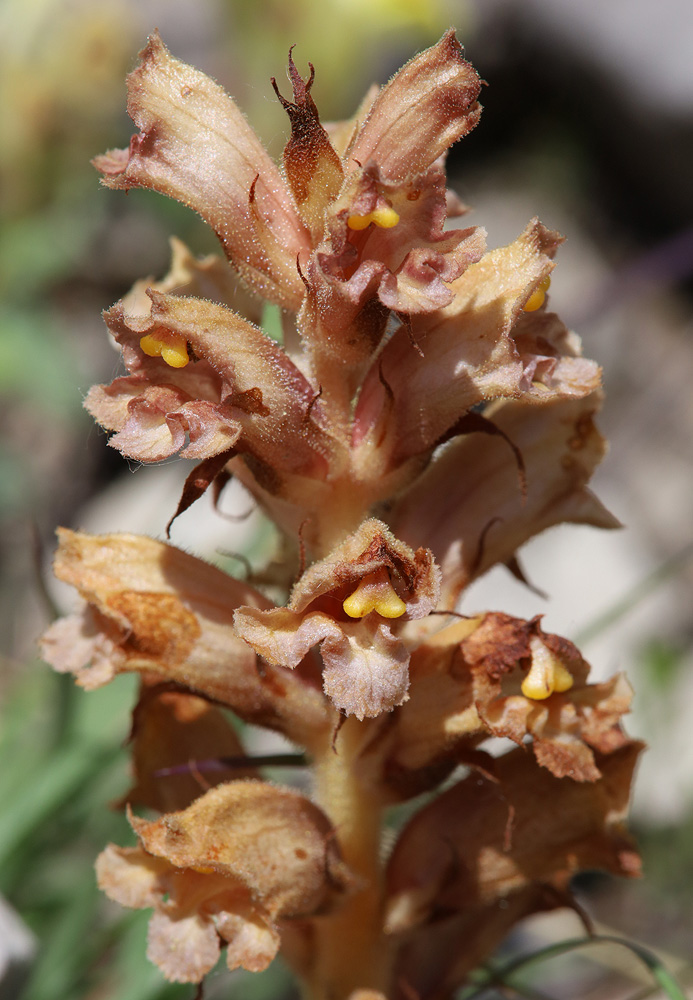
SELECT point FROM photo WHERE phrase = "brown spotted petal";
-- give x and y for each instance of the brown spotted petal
(240, 857)
(371, 549)
(439, 365)
(196, 146)
(468, 506)
(485, 840)
(154, 609)
(345, 602)
(426, 107)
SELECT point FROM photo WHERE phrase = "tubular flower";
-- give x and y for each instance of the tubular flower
(346, 603)
(265, 853)
(424, 417)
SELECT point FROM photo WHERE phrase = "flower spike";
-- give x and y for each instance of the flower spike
(423, 415)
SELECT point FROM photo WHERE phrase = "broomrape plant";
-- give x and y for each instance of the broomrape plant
(425, 416)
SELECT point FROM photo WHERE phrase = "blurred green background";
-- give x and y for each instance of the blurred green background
(589, 124)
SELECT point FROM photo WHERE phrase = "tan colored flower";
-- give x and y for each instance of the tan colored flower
(229, 866)
(243, 393)
(424, 416)
(347, 603)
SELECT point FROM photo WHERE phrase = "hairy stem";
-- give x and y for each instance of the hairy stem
(350, 950)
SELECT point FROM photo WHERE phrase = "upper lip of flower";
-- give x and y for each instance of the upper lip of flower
(195, 146)
(238, 858)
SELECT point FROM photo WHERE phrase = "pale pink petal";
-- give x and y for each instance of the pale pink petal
(79, 645)
(153, 422)
(439, 365)
(366, 668)
(197, 147)
(272, 400)
(408, 265)
(184, 947)
(130, 876)
(252, 942)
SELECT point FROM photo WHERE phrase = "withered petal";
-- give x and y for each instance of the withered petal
(273, 841)
(159, 610)
(481, 841)
(171, 728)
(448, 509)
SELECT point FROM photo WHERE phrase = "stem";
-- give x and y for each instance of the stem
(350, 949)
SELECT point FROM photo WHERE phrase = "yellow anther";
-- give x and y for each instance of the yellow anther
(547, 674)
(374, 593)
(537, 297)
(384, 217)
(203, 869)
(174, 350)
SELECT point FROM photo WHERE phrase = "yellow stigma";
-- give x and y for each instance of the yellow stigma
(384, 218)
(547, 674)
(537, 297)
(174, 350)
(374, 593)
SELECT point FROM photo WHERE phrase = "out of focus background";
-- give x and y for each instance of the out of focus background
(588, 123)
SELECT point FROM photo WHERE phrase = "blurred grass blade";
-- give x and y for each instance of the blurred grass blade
(45, 790)
(501, 975)
(635, 595)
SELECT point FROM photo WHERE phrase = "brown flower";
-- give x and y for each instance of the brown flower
(495, 675)
(485, 841)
